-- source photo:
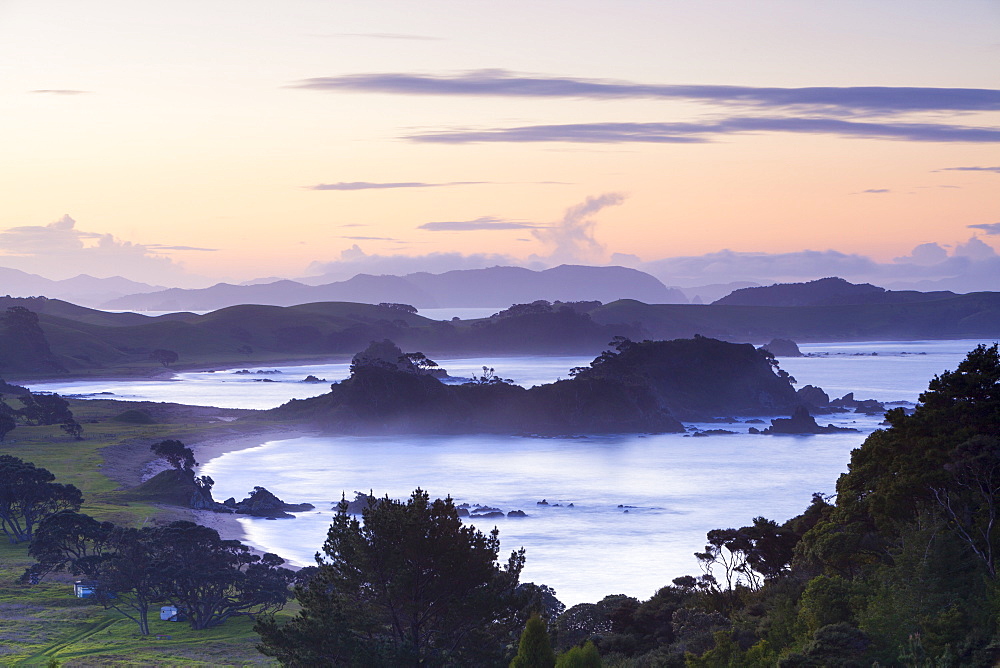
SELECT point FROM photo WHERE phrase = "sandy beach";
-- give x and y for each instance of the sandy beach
(131, 463)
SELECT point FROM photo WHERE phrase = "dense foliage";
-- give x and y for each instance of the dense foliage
(28, 496)
(410, 585)
(188, 565)
(901, 569)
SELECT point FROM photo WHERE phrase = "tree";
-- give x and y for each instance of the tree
(164, 357)
(69, 541)
(132, 578)
(176, 453)
(489, 377)
(534, 649)
(7, 425)
(944, 458)
(405, 308)
(408, 586)
(73, 428)
(417, 361)
(580, 657)
(41, 409)
(28, 496)
(187, 564)
(213, 579)
(971, 500)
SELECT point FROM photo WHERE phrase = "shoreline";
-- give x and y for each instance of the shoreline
(228, 524)
(162, 373)
(131, 463)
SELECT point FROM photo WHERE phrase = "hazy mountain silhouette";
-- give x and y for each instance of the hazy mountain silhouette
(83, 289)
(493, 287)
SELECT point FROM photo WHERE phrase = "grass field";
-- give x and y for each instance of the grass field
(46, 624)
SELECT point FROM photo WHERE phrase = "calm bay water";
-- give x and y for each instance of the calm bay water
(679, 486)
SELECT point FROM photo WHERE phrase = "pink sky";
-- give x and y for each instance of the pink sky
(244, 139)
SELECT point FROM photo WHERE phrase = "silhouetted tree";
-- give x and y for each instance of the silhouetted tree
(176, 453)
(164, 357)
(408, 586)
(73, 428)
(7, 425)
(214, 579)
(69, 541)
(28, 496)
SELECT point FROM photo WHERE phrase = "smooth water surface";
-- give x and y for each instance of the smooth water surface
(679, 487)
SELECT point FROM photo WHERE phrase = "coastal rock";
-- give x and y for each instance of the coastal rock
(490, 514)
(262, 503)
(813, 396)
(517, 513)
(782, 348)
(866, 406)
(713, 432)
(801, 422)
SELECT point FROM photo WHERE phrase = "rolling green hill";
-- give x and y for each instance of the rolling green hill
(81, 341)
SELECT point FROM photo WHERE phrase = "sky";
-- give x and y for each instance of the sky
(183, 143)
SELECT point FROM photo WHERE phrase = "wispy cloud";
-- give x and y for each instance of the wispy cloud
(483, 223)
(704, 132)
(498, 82)
(572, 238)
(988, 228)
(161, 248)
(370, 238)
(60, 91)
(875, 191)
(995, 170)
(367, 185)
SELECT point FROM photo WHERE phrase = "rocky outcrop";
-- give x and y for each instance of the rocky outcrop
(262, 503)
(799, 423)
(866, 406)
(811, 395)
(783, 348)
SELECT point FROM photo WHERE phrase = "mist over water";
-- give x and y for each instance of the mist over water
(675, 488)
(680, 486)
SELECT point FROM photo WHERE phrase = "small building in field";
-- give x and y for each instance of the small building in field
(84, 588)
(171, 613)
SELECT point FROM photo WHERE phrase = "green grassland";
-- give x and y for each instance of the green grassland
(46, 623)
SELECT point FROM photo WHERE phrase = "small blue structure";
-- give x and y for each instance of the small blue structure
(84, 589)
(171, 613)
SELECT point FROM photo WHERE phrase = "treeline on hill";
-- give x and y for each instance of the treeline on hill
(49, 337)
(971, 316)
(41, 336)
(35, 410)
(636, 387)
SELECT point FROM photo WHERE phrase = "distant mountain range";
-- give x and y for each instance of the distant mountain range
(83, 289)
(493, 287)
